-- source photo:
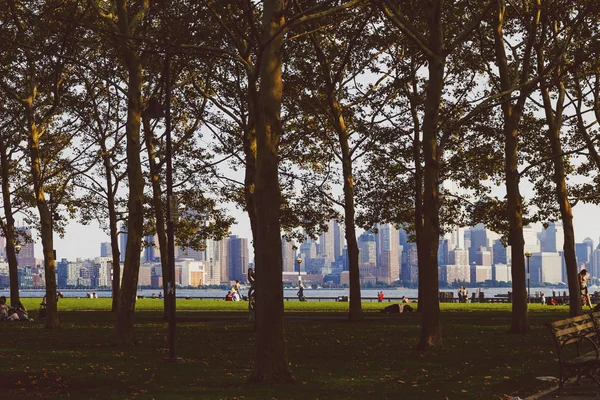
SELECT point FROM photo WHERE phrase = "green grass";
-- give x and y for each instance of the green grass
(330, 357)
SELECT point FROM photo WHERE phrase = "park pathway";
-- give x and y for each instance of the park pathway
(587, 390)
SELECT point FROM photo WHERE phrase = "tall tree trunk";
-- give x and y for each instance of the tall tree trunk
(554, 121)
(271, 364)
(355, 311)
(249, 145)
(9, 227)
(431, 334)
(520, 321)
(159, 213)
(413, 96)
(113, 228)
(124, 323)
(512, 115)
(52, 320)
(339, 125)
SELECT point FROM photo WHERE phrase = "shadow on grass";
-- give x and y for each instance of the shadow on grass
(330, 357)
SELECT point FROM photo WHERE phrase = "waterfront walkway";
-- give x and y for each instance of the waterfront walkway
(588, 389)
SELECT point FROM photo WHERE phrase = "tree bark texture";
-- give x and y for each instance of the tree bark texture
(512, 114)
(554, 121)
(336, 118)
(271, 364)
(52, 320)
(431, 334)
(124, 334)
(9, 226)
(418, 178)
(112, 226)
(159, 213)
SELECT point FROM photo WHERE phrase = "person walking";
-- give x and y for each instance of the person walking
(585, 296)
(380, 296)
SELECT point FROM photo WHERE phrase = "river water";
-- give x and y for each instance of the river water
(308, 293)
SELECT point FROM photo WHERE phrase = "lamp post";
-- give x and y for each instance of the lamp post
(528, 255)
(299, 261)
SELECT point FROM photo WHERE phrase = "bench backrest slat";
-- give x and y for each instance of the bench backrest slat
(584, 326)
(575, 339)
(569, 321)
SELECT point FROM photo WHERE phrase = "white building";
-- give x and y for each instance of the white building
(193, 273)
(103, 270)
(503, 273)
(454, 273)
(545, 268)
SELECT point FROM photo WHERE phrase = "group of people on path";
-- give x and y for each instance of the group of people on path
(234, 294)
(18, 313)
(463, 295)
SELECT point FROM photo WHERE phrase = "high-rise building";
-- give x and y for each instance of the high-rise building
(326, 247)
(483, 256)
(532, 243)
(545, 268)
(308, 252)
(26, 256)
(402, 237)
(481, 237)
(105, 249)
(123, 242)
(502, 273)
(102, 271)
(583, 251)
(499, 253)
(552, 239)
(338, 240)
(592, 268)
(238, 258)
(409, 268)
(288, 255)
(367, 247)
(389, 267)
(224, 259)
(149, 251)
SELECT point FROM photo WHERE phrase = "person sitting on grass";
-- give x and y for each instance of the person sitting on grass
(229, 296)
(18, 314)
(3, 308)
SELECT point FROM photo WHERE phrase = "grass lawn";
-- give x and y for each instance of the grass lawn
(330, 357)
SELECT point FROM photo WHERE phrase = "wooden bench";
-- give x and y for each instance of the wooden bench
(577, 340)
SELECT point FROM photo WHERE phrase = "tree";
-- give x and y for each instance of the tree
(434, 17)
(553, 44)
(512, 110)
(38, 85)
(124, 28)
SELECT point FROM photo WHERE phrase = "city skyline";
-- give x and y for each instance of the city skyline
(73, 247)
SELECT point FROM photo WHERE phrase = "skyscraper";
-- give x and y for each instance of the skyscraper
(288, 255)
(338, 240)
(123, 242)
(105, 249)
(26, 256)
(327, 244)
(389, 266)
(149, 251)
(238, 258)
(532, 243)
(553, 238)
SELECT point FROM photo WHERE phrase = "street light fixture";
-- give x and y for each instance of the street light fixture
(528, 255)
(299, 261)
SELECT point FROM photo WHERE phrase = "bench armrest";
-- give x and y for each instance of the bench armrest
(589, 340)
